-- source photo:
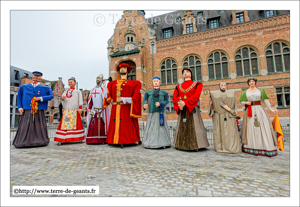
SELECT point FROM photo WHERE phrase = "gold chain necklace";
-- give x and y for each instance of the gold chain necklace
(187, 90)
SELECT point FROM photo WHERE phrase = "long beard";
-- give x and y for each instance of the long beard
(223, 90)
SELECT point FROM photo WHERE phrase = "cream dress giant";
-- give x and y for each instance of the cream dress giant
(258, 140)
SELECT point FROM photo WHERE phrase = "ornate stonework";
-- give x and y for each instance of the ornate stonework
(205, 78)
(232, 75)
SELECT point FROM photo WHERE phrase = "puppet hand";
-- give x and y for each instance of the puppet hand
(248, 102)
(157, 104)
(181, 104)
(63, 98)
(145, 106)
(79, 110)
(119, 99)
(21, 111)
(274, 111)
(37, 98)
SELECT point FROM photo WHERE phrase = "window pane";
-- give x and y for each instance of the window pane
(11, 99)
(218, 71)
(245, 53)
(286, 50)
(269, 52)
(186, 59)
(200, 14)
(287, 99)
(169, 63)
(276, 47)
(287, 62)
(254, 66)
(211, 71)
(286, 89)
(198, 62)
(269, 47)
(196, 58)
(211, 56)
(191, 59)
(224, 58)
(279, 100)
(225, 70)
(217, 57)
(163, 77)
(193, 72)
(278, 90)
(173, 62)
(185, 64)
(270, 64)
(198, 71)
(210, 61)
(278, 63)
(238, 65)
(222, 54)
(283, 45)
(253, 54)
(169, 80)
(174, 66)
(239, 51)
(238, 57)
(246, 67)
(172, 107)
(174, 75)
(251, 50)
(168, 106)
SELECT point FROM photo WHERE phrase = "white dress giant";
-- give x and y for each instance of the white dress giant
(259, 139)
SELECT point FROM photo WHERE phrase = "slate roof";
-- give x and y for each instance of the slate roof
(168, 20)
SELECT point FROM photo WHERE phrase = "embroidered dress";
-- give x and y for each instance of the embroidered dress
(70, 128)
(259, 140)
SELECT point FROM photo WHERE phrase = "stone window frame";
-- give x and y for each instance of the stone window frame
(173, 71)
(268, 12)
(252, 55)
(193, 67)
(167, 31)
(213, 63)
(214, 23)
(284, 50)
(240, 17)
(132, 74)
(189, 28)
(283, 94)
(170, 105)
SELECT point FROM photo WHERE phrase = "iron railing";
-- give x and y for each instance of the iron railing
(172, 130)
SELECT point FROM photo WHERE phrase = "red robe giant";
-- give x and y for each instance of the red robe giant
(190, 133)
(123, 126)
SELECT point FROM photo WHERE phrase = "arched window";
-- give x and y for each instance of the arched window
(193, 62)
(127, 39)
(278, 57)
(246, 62)
(168, 70)
(131, 39)
(131, 75)
(217, 66)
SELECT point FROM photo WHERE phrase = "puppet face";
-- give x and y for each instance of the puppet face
(223, 86)
(123, 70)
(187, 74)
(156, 83)
(36, 78)
(252, 83)
(71, 83)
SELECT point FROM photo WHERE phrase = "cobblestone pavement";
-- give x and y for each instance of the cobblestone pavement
(136, 171)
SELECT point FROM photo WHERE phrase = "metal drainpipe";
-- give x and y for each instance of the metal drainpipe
(152, 51)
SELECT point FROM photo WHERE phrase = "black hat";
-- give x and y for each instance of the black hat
(37, 73)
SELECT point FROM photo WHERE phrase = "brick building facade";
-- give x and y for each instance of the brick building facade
(218, 45)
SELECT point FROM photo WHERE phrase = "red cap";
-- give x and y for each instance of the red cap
(124, 65)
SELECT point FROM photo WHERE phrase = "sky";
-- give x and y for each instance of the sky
(64, 43)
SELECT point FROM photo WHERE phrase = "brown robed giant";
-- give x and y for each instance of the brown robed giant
(225, 132)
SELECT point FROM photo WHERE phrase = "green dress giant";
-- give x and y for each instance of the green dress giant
(156, 136)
